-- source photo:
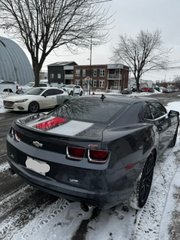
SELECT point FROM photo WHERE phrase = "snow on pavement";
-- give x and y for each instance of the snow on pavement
(61, 219)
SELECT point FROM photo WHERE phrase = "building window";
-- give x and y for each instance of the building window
(77, 81)
(84, 72)
(94, 83)
(78, 72)
(95, 72)
(101, 72)
(59, 76)
(116, 84)
(52, 75)
(101, 83)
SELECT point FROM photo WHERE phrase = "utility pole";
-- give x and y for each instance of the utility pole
(90, 57)
(90, 66)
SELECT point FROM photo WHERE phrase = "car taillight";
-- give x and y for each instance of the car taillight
(75, 152)
(98, 156)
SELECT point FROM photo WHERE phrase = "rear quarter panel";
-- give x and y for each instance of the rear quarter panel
(129, 149)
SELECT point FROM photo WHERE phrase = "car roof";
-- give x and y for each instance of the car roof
(49, 88)
(119, 98)
(70, 85)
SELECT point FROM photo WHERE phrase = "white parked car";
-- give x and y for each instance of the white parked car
(26, 87)
(29, 85)
(73, 89)
(8, 86)
(36, 99)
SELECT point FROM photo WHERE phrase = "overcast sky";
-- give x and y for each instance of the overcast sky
(130, 17)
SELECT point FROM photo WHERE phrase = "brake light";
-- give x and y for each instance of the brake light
(98, 156)
(75, 152)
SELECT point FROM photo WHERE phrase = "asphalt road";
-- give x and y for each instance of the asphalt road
(17, 196)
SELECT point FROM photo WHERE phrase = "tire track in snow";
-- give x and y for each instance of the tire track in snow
(12, 200)
(9, 184)
(58, 221)
(20, 208)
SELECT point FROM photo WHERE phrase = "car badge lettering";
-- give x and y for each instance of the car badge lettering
(37, 144)
(93, 146)
(73, 180)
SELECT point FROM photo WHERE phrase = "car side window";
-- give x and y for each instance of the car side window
(157, 109)
(147, 113)
(51, 92)
(58, 91)
(48, 92)
(42, 85)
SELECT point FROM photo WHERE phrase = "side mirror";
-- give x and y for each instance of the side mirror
(173, 113)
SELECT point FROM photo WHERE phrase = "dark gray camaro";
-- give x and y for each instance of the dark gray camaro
(96, 150)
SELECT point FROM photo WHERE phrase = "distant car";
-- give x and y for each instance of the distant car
(36, 99)
(98, 150)
(151, 90)
(147, 89)
(29, 85)
(126, 91)
(167, 90)
(8, 86)
(26, 87)
(73, 89)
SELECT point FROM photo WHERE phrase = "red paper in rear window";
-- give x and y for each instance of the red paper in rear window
(51, 123)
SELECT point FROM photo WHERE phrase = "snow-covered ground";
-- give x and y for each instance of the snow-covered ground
(60, 220)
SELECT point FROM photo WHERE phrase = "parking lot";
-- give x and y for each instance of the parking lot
(20, 203)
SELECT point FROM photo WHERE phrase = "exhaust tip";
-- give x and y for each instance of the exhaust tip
(84, 207)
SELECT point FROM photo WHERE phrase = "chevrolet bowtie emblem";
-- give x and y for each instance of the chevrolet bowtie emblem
(37, 144)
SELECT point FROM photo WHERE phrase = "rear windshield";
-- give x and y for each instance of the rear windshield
(34, 91)
(90, 110)
(6, 82)
(69, 86)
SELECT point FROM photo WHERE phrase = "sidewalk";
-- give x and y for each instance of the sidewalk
(171, 216)
(175, 225)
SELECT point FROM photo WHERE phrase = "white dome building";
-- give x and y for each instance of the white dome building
(14, 64)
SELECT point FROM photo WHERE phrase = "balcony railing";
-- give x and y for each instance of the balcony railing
(114, 76)
(68, 76)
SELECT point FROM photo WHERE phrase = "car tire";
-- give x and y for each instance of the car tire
(81, 93)
(143, 184)
(71, 93)
(33, 107)
(173, 141)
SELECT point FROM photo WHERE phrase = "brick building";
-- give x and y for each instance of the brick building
(61, 72)
(102, 76)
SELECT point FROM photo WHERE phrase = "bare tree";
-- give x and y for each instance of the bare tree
(45, 25)
(141, 54)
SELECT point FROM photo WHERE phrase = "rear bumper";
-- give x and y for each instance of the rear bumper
(98, 199)
(94, 187)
